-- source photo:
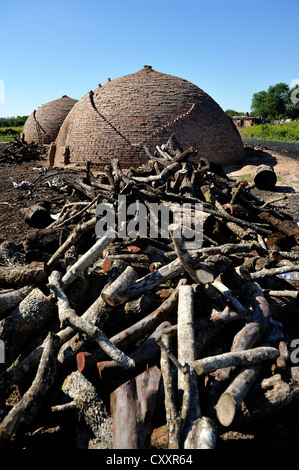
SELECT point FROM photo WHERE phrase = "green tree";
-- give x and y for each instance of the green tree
(232, 112)
(277, 99)
(274, 103)
(258, 104)
(12, 121)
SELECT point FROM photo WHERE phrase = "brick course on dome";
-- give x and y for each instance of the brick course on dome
(144, 109)
(43, 124)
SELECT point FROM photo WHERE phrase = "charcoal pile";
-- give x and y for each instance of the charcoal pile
(151, 339)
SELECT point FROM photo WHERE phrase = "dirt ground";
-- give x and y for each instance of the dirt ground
(287, 172)
(281, 431)
(13, 201)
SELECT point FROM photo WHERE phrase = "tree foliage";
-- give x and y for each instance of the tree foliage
(14, 121)
(232, 112)
(275, 103)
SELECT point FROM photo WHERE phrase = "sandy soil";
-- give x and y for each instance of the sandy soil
(287, 172)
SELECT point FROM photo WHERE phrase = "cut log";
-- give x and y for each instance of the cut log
(173, 419)
(25, 321)
(37, 216)
(145, 356)
(182, 253)
(95, 423)
(20, 276)
(114, 294)
(198, 432)
(285, 226)
(269, 395)
(76, 234)
(88, 258)
(132, 408)
(141, 329)
(230, 401)
(11, 299)
(69, 317)
(264, 177)
(235, 358)
(154, 279)
(27, 409)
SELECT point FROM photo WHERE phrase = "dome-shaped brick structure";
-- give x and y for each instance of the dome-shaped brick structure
(144, 109)
(43, 124)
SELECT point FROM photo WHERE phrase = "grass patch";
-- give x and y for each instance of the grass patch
(9, 137)
(284, 133)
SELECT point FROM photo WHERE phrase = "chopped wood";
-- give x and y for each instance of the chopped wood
(92, 412)
(132, 408)
(235, 358)
(23, 413)
(88, 258)
(25, 321)
(214, 321)
(12, 298)
(173, 419)
(71, 240)
(230, 401)
(264, 177)
(20, 276)
(69, 317)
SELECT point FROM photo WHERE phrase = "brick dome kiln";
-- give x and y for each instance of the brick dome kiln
(43, 124)
(144, 109)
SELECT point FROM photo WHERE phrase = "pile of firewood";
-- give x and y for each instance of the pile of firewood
(146, 341)
(18, 151)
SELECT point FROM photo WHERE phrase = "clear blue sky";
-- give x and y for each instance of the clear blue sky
(229, 48)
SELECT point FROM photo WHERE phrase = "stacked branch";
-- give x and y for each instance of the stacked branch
(179, 334)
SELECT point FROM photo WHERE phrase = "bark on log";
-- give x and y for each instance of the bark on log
(183, 254)
(141, 329)
(69, 317)
(230, 401)
(114, 293)
(88, 258)
(264, 177)
(198, 432)
(243, 223)
(270, 395)
(284, 226)
(186, 338)
(76, 234)
(166, 173)
(85, 189)
(251, 333)
(95, 431)
(283, 293)
(179, 176)
(25, 321)
(11, 299)
(262, 273)
(97, 314)
(26, 410)
(235, 358)
(145, 356)
(37, 216)
(173, 419)
(152, 280)
(20, 276)
(132, 408)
